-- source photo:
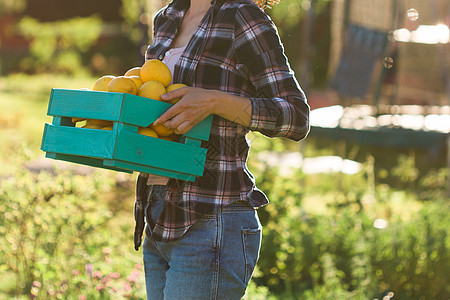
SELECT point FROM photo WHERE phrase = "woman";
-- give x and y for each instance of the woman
(203, 238)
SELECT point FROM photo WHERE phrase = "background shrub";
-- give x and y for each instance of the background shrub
(344, 253)
(60, 241)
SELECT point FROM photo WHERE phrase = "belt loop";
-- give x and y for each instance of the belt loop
(148, 207)
(142, 194)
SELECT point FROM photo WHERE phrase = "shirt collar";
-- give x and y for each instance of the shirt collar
(177, 8)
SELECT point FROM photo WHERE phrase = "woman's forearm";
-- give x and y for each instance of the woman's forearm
(234, 108)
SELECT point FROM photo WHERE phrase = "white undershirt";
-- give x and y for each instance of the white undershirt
(171, 58)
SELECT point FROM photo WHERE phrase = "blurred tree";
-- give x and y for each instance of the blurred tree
(134, 25)
(138, 20)
(8, 7)
(131, 11)
(11, 6)
(58, 46)
(304, 30)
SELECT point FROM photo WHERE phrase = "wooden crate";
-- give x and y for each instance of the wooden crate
(121, 149)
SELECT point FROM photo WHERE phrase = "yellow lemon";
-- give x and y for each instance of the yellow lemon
(137, 81)
(161, 130)
(102, 83)
(155, 69)
(101, 123)
(136, 71)
(173, 87)
(147, 131)
(75, 120)
(92, 126)
(152, 89)
(122, 84)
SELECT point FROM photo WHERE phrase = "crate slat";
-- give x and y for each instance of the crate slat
(147, 169)
(78, 141)
(141, 111)
(159, 153)
(85, 104)
(88, 161)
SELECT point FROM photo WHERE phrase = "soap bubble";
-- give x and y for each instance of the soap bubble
(412, 14)
(388, 62)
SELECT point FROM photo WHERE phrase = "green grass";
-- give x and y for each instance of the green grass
(23, 104)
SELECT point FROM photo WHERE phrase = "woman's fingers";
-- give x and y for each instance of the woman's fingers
(167, 115)
(178, 93)
(195, 105)
(181, 123)
(183, 128)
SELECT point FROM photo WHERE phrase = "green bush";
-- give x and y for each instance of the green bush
(58, 241)
(341, 254)
(56, 47)
(412, 257)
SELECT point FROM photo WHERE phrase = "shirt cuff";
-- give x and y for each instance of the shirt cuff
(265, 113)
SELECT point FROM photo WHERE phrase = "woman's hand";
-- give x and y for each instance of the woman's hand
(197, 103)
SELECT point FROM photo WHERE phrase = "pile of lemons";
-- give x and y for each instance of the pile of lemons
(151, 80)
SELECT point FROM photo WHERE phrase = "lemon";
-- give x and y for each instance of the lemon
(137, 81)
(136, 71)
(75, 120)
(147, 131)
(161, 130)
(122, 84)
(152, 89)
(101, 123)
(173, 87)
(92, 126)
(155, 69)
(102, 83)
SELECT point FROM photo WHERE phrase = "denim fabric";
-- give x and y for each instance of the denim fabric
(215, 259)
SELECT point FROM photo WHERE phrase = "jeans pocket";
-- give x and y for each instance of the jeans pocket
(251, 238)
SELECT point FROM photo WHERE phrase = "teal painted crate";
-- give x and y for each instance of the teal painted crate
(121, 149)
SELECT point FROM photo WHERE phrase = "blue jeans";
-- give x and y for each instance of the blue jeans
(215, 259)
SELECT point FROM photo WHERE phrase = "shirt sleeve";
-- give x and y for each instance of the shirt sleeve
(279, 108)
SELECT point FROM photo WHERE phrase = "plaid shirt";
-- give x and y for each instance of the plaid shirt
(236, 49)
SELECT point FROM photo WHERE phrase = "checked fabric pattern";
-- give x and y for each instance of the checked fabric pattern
(235, 49)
